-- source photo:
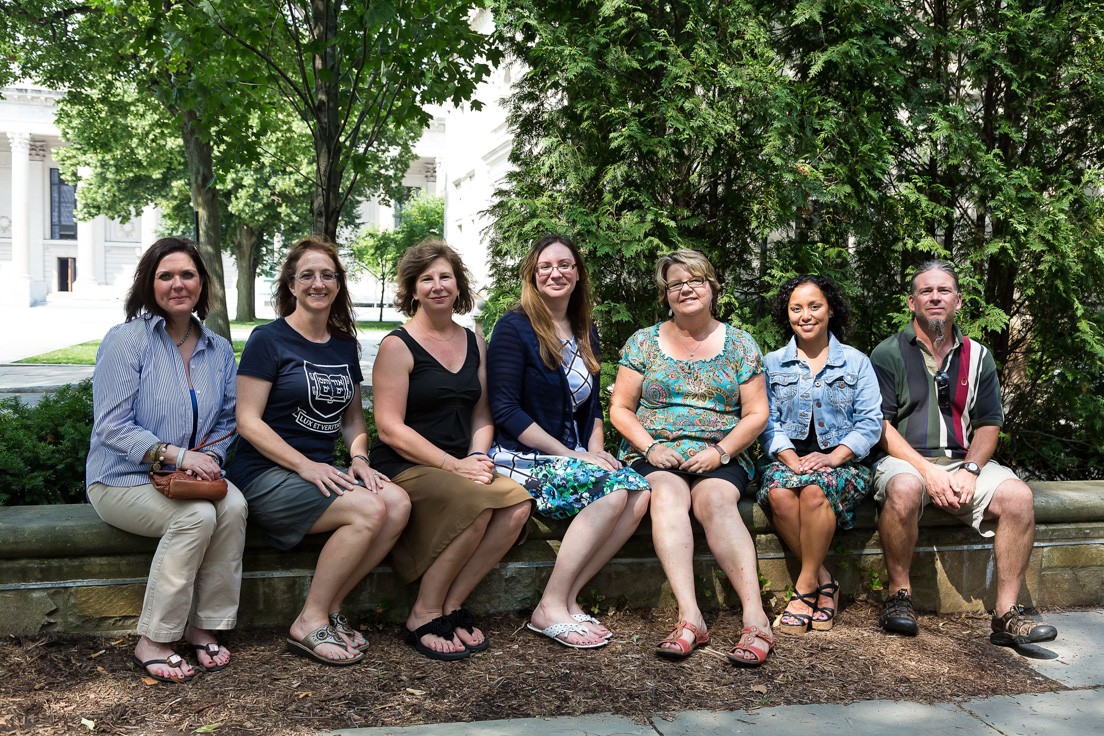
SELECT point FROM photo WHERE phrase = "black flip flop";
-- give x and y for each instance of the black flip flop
(440, 626)
(321, 635)
(211, 650)
(174, 660)
(462, 618)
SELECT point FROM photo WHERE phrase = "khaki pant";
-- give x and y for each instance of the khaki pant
(196, 572)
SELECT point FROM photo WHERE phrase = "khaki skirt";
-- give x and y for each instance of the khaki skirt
(443, 504)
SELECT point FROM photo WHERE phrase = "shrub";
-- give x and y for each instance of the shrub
(45, 447)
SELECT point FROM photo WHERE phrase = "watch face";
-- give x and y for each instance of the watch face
(971, 468)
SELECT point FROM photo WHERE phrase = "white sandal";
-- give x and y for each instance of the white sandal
(555, 631)
(585, 619)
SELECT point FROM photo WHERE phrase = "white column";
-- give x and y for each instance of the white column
(151, 216)
(86, 245)
(21, 184)
(38, 217)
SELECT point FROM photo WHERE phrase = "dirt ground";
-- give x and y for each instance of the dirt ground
(75, 684)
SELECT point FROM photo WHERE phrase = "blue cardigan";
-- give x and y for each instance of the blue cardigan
(523, 391)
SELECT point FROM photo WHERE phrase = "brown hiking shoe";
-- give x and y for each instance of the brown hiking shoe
(1016, 628)
(897, 614)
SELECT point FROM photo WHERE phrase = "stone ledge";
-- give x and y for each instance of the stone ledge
(62, 569)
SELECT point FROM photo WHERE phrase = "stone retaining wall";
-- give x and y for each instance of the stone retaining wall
(64, 570)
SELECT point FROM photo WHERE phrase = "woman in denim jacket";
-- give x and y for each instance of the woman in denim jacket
(825, 413)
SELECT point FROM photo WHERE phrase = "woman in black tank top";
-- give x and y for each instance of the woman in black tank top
(429, 383)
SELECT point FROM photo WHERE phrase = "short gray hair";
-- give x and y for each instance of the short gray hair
(944, 266)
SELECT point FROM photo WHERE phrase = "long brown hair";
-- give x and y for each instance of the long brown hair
(342, 320)
(578, 307)
(140, 298)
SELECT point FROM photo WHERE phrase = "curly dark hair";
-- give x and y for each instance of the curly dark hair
(840, 322)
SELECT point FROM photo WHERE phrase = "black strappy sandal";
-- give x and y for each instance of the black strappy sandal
(805, 619)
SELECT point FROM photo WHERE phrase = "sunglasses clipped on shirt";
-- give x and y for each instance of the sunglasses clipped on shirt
(943, 389)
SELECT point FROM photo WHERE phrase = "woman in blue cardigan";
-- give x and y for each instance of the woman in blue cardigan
(543, 382)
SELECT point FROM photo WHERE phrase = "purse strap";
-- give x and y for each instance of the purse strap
(214, 442)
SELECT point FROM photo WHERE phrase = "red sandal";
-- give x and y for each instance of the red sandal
(684, 647)
(745, 645)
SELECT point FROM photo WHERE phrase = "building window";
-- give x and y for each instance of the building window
(400, 204)
(63, 201)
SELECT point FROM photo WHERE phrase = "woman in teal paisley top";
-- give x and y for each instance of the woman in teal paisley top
(690, 399)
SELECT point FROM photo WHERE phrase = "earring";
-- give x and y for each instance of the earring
(670, 312)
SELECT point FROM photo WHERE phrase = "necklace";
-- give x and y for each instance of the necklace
(185, 334)
(427, 333)
(678, 332)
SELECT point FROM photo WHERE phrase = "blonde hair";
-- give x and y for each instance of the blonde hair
(578, 307)
(695, 262)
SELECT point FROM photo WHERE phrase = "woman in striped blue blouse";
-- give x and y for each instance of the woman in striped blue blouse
(164, 382)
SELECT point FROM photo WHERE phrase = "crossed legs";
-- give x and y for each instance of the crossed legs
(365, 526)
(592, 539)
(806, 522)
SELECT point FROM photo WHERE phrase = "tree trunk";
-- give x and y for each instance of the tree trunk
(326, 202)
(245, 238)
(197, 151)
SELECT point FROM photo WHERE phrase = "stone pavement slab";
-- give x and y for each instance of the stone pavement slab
(34, 378)
(869, 718)
(1071, 713)
(600, 725)
(1076, 657)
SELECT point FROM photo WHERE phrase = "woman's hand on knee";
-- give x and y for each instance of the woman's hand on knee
(327, 478)
(372, 479)
(601, 458)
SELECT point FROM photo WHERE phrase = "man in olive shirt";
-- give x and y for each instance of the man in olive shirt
(942, 416)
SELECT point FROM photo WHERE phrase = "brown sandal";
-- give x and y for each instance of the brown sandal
(684, 647)
(750, 634)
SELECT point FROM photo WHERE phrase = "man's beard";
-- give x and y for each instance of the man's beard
(937, 326)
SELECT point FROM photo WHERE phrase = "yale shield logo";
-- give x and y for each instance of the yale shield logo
(329, 391)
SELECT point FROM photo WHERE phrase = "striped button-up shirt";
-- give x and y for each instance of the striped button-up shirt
(141, 396)
(910, 398)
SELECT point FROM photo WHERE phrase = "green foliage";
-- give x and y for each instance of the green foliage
(45, 447)
(848, 138)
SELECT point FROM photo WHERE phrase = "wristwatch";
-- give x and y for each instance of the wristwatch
(971, 468)
(725, 457)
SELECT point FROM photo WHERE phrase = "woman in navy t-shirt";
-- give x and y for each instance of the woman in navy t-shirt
(298, 389)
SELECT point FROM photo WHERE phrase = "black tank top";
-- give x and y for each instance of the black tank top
(439, 404)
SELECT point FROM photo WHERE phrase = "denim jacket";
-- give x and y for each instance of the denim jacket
(844, 398)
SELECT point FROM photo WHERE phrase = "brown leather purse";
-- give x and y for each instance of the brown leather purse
(180, 485)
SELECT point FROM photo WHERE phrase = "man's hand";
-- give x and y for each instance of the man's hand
(942, 487)
(967, 484)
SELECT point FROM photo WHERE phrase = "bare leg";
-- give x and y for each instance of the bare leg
(356, 520)
(502, 531)
(897, 527)
(587, 531)
(437, 579)
(715, 507)
(818, 526)
(398, 511)
(635, 508)
(1013, 507)
(673, 538)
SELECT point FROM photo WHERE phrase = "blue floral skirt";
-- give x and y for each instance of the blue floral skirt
(844, 487)
(564, 486)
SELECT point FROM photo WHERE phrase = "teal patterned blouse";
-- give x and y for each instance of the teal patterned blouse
(689, 405)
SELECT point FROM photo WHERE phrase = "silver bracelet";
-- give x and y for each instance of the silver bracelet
(645, 455)
(180, 457)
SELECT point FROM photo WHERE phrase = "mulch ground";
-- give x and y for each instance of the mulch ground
(72, 684)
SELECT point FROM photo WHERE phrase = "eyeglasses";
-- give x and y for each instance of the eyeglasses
(943, 390)
(692, 283)
(308, 277)
(545, 269)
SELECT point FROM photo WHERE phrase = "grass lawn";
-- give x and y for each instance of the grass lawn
(85, 354)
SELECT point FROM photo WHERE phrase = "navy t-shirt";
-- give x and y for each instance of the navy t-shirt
(312, 384)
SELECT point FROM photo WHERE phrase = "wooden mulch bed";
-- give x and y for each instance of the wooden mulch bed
(65, 684)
